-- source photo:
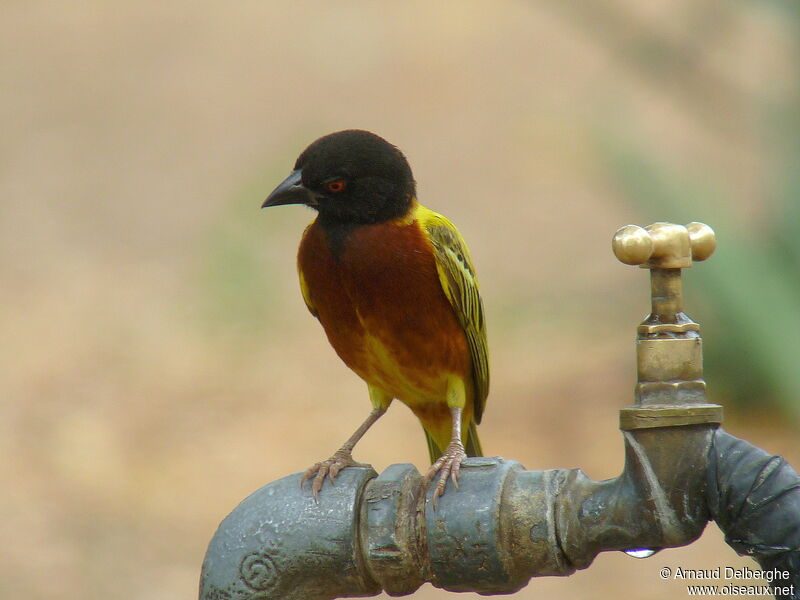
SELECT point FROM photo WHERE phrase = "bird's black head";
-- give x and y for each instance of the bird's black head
(350, 176)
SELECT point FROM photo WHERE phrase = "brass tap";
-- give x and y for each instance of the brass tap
(669, 350)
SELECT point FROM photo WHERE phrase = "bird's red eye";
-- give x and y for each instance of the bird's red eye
(335, 186)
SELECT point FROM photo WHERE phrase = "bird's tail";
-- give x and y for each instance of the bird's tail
(472, 444)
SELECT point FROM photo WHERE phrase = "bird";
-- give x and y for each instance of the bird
(394, 287)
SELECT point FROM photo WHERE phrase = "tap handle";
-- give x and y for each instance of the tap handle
(664, 245)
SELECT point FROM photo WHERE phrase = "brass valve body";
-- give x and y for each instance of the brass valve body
(669, 351)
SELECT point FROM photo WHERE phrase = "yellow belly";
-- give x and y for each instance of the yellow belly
(379, 367)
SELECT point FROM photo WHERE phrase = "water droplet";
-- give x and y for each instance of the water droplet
(640, 552)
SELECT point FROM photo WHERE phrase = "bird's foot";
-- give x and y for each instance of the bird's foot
(329, 468)
(448, 465)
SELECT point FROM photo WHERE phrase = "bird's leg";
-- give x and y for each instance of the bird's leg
(342, 458)
(449, 463)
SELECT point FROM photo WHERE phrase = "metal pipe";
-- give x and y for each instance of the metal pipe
(505, 525)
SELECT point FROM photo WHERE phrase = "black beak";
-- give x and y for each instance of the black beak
(290, 191)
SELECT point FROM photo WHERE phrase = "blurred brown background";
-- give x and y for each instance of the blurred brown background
(158, 362)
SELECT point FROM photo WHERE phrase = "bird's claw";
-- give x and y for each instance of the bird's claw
(330, 468)
(448, 465)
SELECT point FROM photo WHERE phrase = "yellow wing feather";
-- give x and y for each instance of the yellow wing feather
(460, 284)
(306, 295)
(303, 285)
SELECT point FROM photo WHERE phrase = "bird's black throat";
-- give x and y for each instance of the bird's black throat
(337, 233)
(339, 225)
